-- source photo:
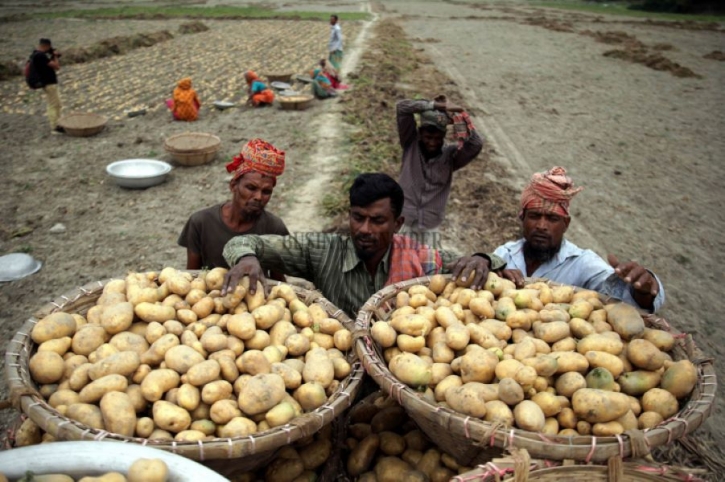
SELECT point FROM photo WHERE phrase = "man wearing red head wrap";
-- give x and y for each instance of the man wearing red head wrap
(543, 252)
(254, 175)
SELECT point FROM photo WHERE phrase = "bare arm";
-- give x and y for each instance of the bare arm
(407, 129)
(193, 260)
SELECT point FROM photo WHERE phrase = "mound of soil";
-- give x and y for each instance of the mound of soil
(614, 38)
(9, 69)
(653, 61)
(114, 46)
(550, 24)
(715, 55)
(192, 27)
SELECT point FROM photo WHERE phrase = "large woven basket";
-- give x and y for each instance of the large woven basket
(192, 148)
(615, 471)
(471, 440)
(83, 124)
(295, 102)
(249, 452)
(279, 77)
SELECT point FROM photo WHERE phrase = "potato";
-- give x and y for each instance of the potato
(581, 328)
(663, 340)
(660, 401)
(497, 412)
(507, 368)
(261, 393)
(46, 367)
(203, 373)
(551, 332)
(158, 382)
(362, 455)
(680, 378)
(548, 403)
(410, 369)
(54, 326)
(87, 414)
(638, 382)
(215, 278)
(168, 416)
(625, 320)
(310, 396)
(123, 363)
(600, 342)
(188, 396)
(223, 411)
(607, 429)
(649, 420)
(284, 470)
(510, 392)
(157, 351)
(606, 360)
(600, 378)
(127, 341)
(87, 339)
(503, 308)
(568, 383)
(645, 355)
(216, 390)
(545, 365)
(107, 477)
(95, 390)
(63, 397)
(470, 398)
(58, 345)
(599, 406)
(119, 414)
(478, 366)
(529, 416)
(29, 433)
(148, 470)
(568, 361)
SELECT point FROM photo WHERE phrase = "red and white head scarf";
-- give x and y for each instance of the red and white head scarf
(550, 192)
(258, 156)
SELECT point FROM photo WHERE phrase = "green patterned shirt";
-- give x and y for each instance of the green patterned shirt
(327, 260)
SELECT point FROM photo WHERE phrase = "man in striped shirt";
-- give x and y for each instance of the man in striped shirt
(348, 270)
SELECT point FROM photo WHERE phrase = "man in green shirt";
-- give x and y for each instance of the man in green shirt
(348, 270)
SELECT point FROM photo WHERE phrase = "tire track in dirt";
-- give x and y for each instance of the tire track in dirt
(305, 214)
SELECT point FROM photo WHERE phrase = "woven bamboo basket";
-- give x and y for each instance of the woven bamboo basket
(295, 102)
(83, 124)
(192, 148)
(471, 440)
(279, 77)
(520, 468)
(248, 452)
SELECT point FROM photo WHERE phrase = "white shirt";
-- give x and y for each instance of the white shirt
(576, 267)
(335, 38)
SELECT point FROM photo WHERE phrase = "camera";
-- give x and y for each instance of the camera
(54, 53)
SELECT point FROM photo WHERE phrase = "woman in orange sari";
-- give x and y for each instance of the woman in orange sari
(259, 93)
(185, 104)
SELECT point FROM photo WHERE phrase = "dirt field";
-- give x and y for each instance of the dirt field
(646, 144)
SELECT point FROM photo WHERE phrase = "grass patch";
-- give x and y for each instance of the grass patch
(623, 9)
(216, 12)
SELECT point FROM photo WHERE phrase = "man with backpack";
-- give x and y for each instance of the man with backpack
(41, 73)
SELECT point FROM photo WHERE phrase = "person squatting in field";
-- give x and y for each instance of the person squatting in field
(543, 252)
(185, 103)
(258, 92)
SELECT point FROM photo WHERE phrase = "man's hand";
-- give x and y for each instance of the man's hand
(247, 266)
(465, 266)
(514, 275)
(636, 275)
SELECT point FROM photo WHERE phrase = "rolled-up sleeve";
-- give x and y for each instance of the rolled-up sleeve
(287, 254)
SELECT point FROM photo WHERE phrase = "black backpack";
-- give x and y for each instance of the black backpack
(32, 77)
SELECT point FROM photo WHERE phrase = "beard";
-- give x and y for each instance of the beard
(253, 214)
(364, 252)
(540, 254)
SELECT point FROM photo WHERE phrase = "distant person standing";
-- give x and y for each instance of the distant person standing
(45, 63)
(335, 45)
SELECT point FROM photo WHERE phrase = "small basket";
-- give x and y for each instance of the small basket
(295, 102)
(192, 148)
(83, 124)
(470, 440)
(279, 77)
(248, 453)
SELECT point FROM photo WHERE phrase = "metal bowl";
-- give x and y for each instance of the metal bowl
(138, 173)
(223, 105)
(280, 85)
(15, 266)
(79, 459)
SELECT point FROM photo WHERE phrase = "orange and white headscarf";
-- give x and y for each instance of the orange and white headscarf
(258, 156)
(550, 192)
(250, 76)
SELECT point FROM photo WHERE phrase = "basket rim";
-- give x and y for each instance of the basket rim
(213, 146)
(102, 120)
(30, 402)
(588, 448)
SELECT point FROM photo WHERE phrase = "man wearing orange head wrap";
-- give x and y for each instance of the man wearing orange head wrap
(254, 175)
(543, 252)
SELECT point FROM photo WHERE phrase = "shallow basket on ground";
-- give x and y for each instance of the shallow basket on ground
(192, 148)
(279, 77)
(295, 102)
(248, 452)
(471, 440)
(80, 124)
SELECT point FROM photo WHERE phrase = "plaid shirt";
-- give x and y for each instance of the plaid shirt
(327, 260)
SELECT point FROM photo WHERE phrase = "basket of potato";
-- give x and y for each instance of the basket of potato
(558, 371)
(164, 360)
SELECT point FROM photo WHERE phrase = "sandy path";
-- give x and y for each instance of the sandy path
(647, 146)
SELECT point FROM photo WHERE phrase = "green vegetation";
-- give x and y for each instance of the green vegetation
(622, 8)
(217, 12)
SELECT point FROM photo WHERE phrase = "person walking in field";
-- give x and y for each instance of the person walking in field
(45, 66)
(335, 44)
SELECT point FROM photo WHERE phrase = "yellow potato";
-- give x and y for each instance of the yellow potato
(261, 393)
(46, 367)
(568, 361)
(649, 420)
(568, 383)
(660, 401)
(54, 326)
(606, 360)
(87, 414)
(470, 398)
(638, 382)
(119, 414)
(168, 416)
(310, 396)
(158, 382)
(643, 354)
(663, 340)
(625, 320)
(551, 332)
(203, 373)
(95, 390)
(529, 416)
(123, 363)
(680, 378)
(599, 406)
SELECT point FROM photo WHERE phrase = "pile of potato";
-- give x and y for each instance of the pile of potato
(543, 359)
(384, 445)
(165, 356)
(141, 470)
